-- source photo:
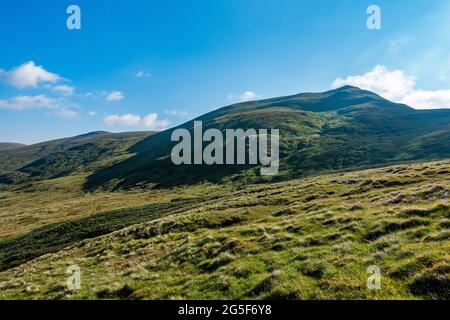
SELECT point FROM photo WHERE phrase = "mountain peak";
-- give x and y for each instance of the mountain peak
(352, 90)
(339, 98)
(348, 88)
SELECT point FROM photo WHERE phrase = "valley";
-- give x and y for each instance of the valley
(362, 182)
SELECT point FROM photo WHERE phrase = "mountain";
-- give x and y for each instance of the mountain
(10, 145)
(340, 129)
(310, 236)
(66, 156)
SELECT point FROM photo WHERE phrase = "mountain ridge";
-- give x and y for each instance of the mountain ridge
(10, 145)
(349, 127)
(64, 156)
(339, 129)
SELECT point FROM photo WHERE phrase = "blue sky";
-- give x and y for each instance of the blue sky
(149, 65)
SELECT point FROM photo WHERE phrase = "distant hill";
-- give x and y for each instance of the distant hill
(9, 146)
(66, 156)
(340, 129)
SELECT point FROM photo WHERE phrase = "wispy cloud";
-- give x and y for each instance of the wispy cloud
(242, 97)
(180, 113)
(115, 96)
(398, 44)
(64, 89)
(122, 120)
(65, 113)
(150, 121)
(397, 86)
(28, 75)
(143, 74)
(22, 103)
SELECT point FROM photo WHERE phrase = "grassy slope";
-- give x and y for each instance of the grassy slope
(345, 128)
(312, 238)
(9, 146)
(62, 157)
(309, 238)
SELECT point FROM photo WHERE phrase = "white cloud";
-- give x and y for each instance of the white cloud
(65, 113)
(423, 99)
(143, 74)
(22, 103)
(28, 75)
(95, 96)
(244, 96)
(392, 85)
(124, 120)
(92, 113)
(247, 96)
(396, 86)
(149, 121)
(180, 113)
(115, 96)
(65, 90)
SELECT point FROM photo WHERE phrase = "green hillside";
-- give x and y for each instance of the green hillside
(309, 238)
(341, 129)
(363, 181)
(320, 132)
(9, 146)
(61, 157)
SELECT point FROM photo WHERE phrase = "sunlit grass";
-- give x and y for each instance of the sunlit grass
(302, 239)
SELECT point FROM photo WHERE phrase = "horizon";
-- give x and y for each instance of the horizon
(154, 65)
(169, 128)
(157, 131)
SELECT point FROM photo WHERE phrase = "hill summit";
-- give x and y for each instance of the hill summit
(339, 129)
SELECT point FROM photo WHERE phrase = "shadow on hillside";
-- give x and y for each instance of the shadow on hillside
(152, 164)
(54, 237)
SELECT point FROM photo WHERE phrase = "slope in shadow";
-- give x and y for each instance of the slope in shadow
(54, 237)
